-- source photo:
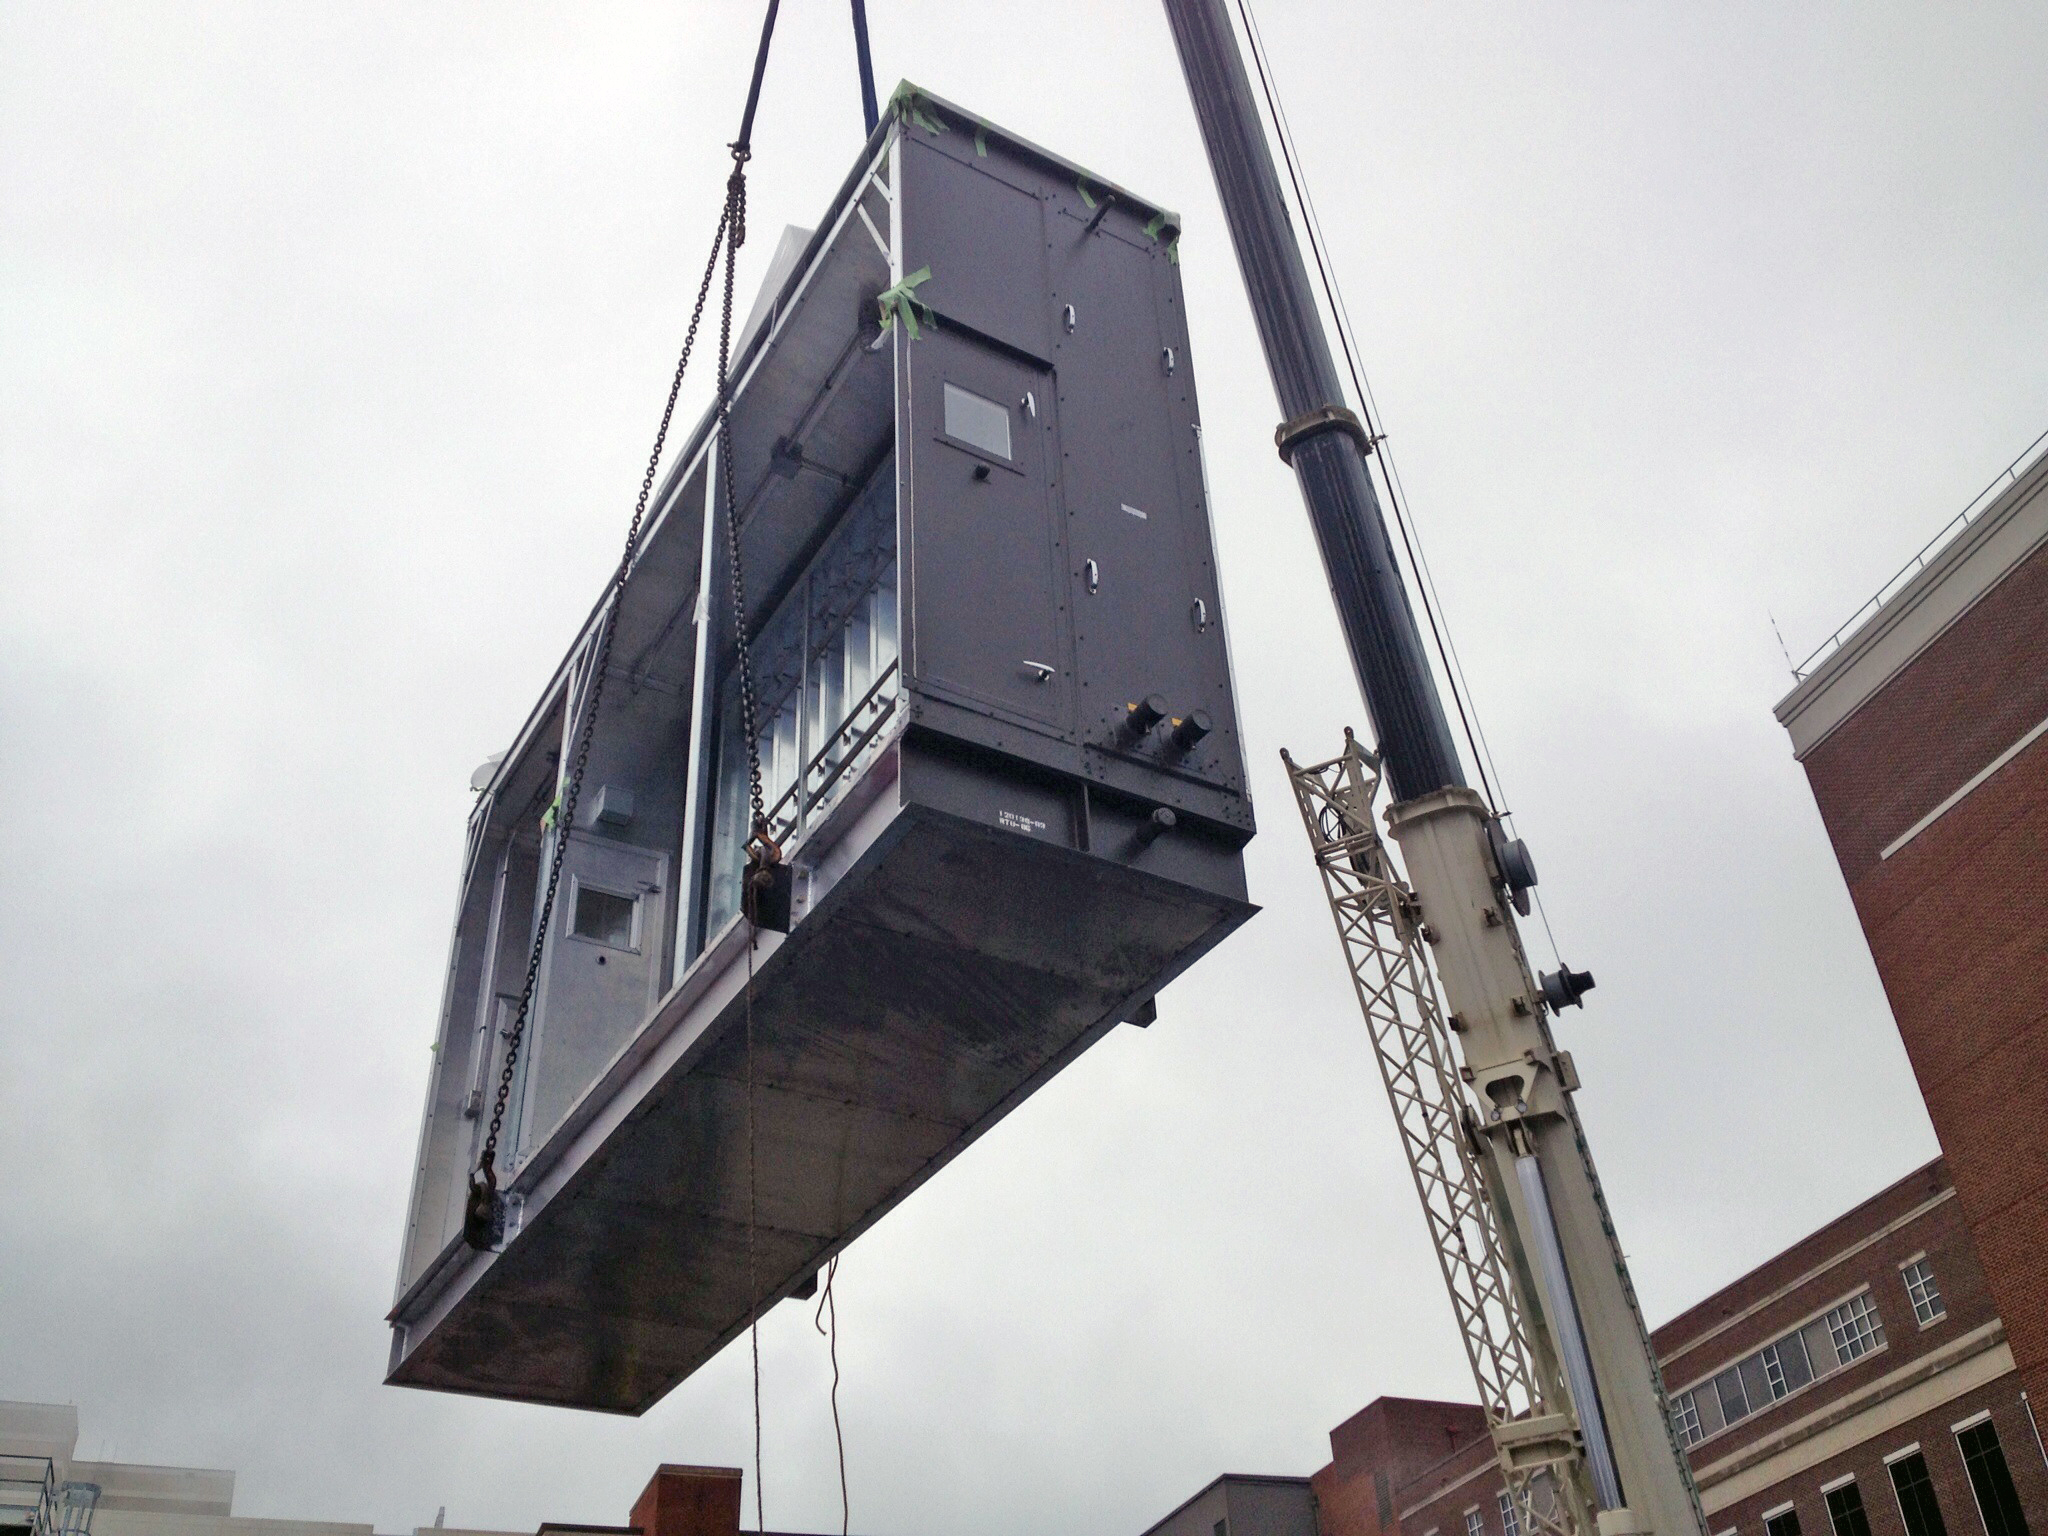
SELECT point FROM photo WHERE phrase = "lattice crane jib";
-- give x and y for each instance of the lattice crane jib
(1512, 1361)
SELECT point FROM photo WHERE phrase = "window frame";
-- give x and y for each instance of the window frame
(1685, 1418)
(1891, 1465)
(1710, 1379)
(1929, 1284)
(577, 886)
(1847, 1483)
(1984, 1421)
(1872, 1339)
(981, 451)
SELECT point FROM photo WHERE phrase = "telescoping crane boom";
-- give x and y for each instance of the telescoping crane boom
(1481, 1094)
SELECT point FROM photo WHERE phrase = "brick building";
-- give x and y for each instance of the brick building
(1858, 1384)
(1924, 736)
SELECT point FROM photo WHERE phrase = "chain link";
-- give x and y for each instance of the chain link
(758, 842)
(481, 1220)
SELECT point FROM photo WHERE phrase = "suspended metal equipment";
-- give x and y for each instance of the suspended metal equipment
(999, 755)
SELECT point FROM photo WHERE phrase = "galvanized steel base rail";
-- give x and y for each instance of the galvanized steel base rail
(1375, 913)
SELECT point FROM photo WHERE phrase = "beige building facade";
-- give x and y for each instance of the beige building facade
(46, 1490)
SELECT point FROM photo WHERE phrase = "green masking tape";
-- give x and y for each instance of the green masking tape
(981, 140)
(910, 104)
(1166, 221)
(1081, 186)
(900, 300)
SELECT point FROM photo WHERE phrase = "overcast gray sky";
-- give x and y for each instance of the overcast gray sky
(331, 340)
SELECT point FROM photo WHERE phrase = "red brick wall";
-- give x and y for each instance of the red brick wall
(1400, 1439)
(1437, 1500)
(1939, 1231)
(1957, 920)
(1944, 1467)
(1956, 706)
(690, 1501)
(1431, 1487)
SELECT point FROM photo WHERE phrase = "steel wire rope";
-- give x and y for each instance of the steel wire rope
(828, 1306)
(1390, 474)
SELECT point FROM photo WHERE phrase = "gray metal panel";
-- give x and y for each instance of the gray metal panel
(991, 789)
(1120, 431)
(948, 974)
(593, 994)
(1270, 1506)
(984, 579)
(977, 908)
(1131, 481)
(980, 230)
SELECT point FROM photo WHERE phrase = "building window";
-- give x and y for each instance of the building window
(1789, 1364)
(1786, 1365)
(1783, 1523)
(1685, 1422)
(1845, 1510)
(1991, 1480)
(1510, 1517)
(1734, 1401)
(1774, 1372)
(1928, 1307)
(1475, 1523)
(1915, 1491)
(1855, 1328)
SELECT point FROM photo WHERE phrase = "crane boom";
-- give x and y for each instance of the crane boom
(1566, 1373)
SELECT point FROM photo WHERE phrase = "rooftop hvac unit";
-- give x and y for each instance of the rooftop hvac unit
(999, 746)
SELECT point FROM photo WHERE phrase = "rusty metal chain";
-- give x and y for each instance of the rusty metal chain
(481, 1218)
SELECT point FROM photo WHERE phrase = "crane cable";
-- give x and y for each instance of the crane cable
(1411, 538)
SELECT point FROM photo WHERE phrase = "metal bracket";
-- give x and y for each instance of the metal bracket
(1324, 418)
(1524, 1444)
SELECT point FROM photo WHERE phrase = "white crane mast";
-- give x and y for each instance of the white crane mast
(1483, 1097)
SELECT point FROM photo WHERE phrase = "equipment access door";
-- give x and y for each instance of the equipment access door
(1147, 619)
(987, 615)
(601, 974)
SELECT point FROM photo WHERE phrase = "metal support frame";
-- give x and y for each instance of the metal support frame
(1572, 1276)
(1527, 1411)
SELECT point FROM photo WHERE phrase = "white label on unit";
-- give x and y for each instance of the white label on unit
(1134, 511)
(1016, 821)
